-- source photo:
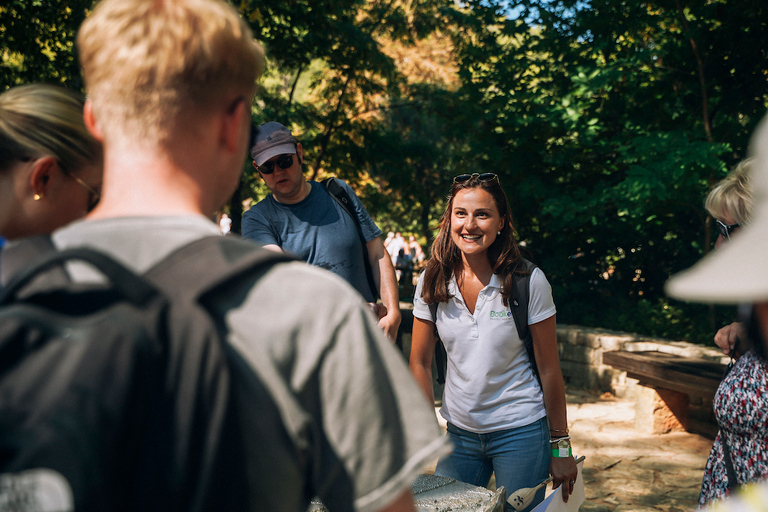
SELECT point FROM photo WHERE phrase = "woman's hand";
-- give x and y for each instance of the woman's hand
(564, 471)
(728, 337)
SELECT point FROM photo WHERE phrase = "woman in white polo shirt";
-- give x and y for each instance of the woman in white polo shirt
(500, 419)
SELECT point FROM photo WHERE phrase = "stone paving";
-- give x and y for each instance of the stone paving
(626, 470)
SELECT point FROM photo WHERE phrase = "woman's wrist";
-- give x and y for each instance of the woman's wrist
(561, 447)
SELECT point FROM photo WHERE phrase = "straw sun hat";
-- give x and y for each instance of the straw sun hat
(738, 271)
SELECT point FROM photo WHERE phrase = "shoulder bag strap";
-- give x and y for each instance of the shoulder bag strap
(519, 306)
(733, 481)
(338, 193)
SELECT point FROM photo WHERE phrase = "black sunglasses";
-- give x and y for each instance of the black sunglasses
(486, 176)
(283, 162)
(725, 229)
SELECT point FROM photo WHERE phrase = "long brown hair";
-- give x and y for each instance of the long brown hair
(503, 254)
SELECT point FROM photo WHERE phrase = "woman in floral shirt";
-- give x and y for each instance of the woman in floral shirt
(741, 409)
(740, 402)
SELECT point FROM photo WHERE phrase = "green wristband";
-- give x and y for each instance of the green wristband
(562, 453)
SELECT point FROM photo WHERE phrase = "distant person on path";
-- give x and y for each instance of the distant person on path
(501, 419)
(743, 391)
(737, 273)
(225, 224)
(404, 266)
(414, 247)
(394, 244)
(170, 88)
(300, 217)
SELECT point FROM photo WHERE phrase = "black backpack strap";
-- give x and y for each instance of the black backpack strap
(338, 193)
(211, 262)
(519, 306)
(441, 356)
(16, 257)
(45, 260)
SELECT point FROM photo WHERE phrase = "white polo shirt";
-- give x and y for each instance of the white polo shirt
(489, 383)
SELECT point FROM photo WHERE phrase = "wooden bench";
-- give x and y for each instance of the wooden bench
(670, 381)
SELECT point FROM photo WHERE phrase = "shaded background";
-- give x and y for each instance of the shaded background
(607, 122)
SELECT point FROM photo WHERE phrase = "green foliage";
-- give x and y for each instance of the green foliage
(606, 121)
(38, 41)
(614, 125)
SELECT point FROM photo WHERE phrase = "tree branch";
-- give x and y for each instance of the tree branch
(331, 124)
(702, 81)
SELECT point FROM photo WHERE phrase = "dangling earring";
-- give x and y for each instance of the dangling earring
(37, 197)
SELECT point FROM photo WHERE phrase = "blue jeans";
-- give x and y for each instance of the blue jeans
(518, 456)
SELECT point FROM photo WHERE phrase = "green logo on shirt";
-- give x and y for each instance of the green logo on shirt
(501, 315)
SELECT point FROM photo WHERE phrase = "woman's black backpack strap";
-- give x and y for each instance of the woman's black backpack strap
(519, 305)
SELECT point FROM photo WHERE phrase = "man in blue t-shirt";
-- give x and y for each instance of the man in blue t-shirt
(301, 217)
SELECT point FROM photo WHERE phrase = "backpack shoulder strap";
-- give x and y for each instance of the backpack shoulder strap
(210, 262)
(433, 312)
(21, 255)
(519, 306)
(441, 356)
(521, 295)
(46, 272)
(337, 192)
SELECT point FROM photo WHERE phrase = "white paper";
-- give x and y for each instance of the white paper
(554, 502)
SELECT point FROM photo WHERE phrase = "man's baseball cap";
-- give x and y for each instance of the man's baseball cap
(271, 139)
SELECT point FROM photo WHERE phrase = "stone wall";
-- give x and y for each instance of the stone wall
(581, 355)
(581, 360)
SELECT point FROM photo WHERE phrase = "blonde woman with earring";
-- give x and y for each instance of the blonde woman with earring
(50, 166)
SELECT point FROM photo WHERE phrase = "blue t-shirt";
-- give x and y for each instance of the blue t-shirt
(317, 230)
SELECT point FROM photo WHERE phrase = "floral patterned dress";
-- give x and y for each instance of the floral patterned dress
(741, 409)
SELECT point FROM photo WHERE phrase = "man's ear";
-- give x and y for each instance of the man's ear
(253, 163)
(41, 175)
(233, 124)
(300, 153)
(90, 121)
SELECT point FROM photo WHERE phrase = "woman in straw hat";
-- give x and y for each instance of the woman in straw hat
(737, 273)
(740, 398)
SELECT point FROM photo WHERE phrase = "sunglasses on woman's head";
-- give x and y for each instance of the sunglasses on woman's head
(726, 229)
(283, 162)
(486, 176)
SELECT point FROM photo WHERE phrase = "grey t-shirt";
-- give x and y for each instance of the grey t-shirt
(351, 426)
(317, 230)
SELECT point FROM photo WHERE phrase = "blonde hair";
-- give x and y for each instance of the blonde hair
(38, 120)
(732, 196)
(147, 63)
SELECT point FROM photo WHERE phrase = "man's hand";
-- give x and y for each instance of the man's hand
(728, 337)
(390, 323)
